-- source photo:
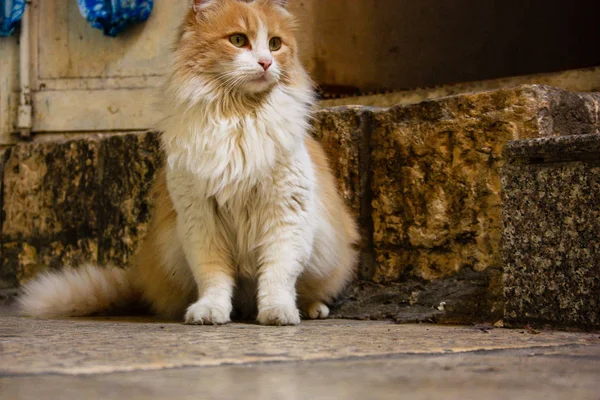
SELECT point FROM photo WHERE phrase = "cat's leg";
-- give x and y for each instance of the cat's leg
(206, 252)
(315, 291)
(212, 270)
(214, 276)
(285, 246)
(334, 248)
(276, 297)
(331, 266)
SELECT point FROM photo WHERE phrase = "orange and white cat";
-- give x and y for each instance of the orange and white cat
(247, 216)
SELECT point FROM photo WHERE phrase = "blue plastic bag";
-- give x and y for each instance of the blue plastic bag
(11, 12)
(113, 16)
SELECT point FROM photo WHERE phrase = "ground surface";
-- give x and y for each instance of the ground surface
(333, 359)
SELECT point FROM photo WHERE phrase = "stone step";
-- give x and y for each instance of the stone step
(551, 231)
(423, 181)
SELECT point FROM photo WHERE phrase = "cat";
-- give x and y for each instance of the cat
(247, 217)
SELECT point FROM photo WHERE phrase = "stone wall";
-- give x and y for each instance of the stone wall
(551, 216)
(434, 198)
(422, 180)
(84, 200)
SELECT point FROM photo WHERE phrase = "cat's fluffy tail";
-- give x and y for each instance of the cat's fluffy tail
(86, 290)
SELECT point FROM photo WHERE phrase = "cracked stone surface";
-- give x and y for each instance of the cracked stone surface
(115, 358)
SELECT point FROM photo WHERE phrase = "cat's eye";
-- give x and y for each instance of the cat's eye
(238, 40)
(275, 44)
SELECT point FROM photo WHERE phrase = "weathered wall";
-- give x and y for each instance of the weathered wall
(434, 198)
(551, 240)
(361, 44)
(70, 202)
(422, 180)
(9, 69)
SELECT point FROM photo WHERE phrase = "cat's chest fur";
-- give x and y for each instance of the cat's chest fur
(229, 155)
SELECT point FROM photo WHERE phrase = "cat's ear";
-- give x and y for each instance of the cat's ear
(201, 5)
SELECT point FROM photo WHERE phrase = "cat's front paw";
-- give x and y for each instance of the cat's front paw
(207, 312)
(281, 314)
(317, 310)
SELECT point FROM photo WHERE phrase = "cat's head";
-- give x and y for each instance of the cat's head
(238, 46)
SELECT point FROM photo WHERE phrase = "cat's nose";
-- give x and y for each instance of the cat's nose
(265, 63)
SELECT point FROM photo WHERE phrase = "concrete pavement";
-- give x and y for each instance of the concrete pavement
(118, 358)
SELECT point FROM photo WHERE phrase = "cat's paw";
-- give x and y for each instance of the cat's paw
(280, 314)
(317, 310)
(206, 312)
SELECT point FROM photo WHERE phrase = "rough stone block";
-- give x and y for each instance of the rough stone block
(341, 133)
(551, 232)
(49, 213)
(128, 167)
(436, 174)
(84, 200)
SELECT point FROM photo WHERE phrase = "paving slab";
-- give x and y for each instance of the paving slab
(137, 358)
(543, 373)
(103, 345)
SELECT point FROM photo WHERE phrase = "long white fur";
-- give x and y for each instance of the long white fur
(76, 292)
